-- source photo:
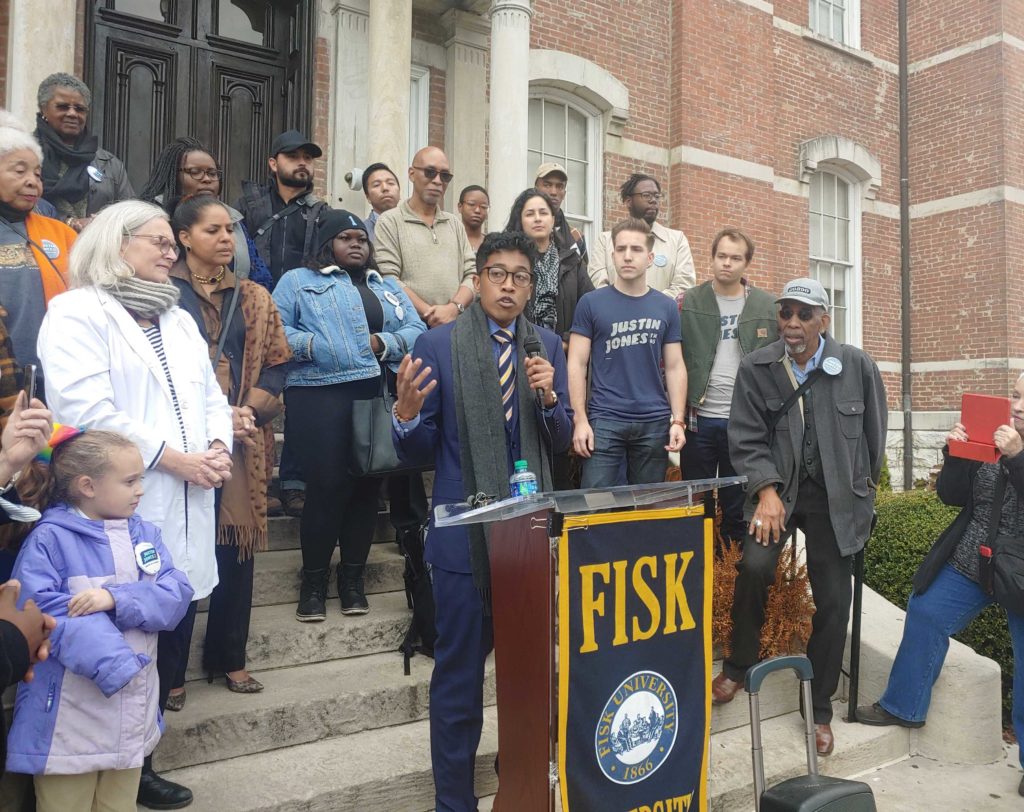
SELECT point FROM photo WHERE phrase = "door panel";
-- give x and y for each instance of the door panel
(246, 113)
(192, 73)
(143, 100)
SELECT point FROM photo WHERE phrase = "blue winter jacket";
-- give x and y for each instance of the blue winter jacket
(93, 704)
(326, 325)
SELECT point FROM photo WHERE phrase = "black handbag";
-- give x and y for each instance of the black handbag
(372, 451)
(1001, 573)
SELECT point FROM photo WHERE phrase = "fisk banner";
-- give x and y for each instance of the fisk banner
(634, 703)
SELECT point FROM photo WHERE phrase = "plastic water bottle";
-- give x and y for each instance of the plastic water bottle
(523, 482)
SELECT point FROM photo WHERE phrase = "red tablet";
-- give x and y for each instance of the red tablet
(981, 416)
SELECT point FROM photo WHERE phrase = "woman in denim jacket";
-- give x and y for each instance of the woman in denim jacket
(343, 322)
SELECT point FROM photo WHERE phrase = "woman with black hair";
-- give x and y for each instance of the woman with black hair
(560, 277)
(345, 323)
(184, 168)
(250, 364)
(474, 204)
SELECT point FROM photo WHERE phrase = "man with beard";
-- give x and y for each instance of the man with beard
(672, 270)
(281, 217)
(425, 247)
(382, 190)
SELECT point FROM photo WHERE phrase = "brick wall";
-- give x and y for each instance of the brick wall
(321, 110)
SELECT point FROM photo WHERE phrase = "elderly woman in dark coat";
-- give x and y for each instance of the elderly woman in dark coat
(79, 177)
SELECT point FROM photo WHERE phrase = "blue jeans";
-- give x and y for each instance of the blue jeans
(949, 604)
(706, 456)
(640, 445)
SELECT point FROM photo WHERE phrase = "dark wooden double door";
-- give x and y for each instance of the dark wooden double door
(232, 73)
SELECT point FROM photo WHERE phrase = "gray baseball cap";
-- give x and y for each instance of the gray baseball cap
(809, 291)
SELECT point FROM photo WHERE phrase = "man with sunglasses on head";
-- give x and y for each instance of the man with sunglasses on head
(671, 271)
(425, 247)
(807, 429)
(474, 397)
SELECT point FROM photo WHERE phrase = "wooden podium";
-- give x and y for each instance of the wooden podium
(524, 537)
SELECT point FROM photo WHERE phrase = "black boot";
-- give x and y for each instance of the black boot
(350, 589)
(159, 793)
(312, 596)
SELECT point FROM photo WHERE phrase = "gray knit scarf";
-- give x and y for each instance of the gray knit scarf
(142, 298)
(483, 450)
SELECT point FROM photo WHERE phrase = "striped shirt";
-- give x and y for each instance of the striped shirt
(156, 341)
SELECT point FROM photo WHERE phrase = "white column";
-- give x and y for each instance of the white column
(510, 103)
(466, 100)
(349, 98)
(390, 34)
(41, 42)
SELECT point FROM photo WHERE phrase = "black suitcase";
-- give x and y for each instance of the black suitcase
(806, 793)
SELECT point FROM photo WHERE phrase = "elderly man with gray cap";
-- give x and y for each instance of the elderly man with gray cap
(807, 428)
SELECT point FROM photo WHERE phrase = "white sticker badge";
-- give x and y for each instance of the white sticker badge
(396, 303)
(660, 260)
(832, 366)
(147, 558)
(94, 173)
(50, 248)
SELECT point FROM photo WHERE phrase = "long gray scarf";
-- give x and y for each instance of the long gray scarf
(483, 451)
(143, 298)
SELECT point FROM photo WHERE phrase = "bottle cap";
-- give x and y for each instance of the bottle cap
(521, 466)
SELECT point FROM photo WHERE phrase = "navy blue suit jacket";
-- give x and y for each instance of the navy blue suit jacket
(436, 437)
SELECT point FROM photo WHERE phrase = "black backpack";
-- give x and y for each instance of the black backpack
(422, 633)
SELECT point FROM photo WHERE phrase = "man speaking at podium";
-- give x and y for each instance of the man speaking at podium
(476, 395)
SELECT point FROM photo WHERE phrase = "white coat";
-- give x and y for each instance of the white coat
(102, 373)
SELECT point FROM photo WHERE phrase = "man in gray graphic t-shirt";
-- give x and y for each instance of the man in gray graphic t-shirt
(722, 320)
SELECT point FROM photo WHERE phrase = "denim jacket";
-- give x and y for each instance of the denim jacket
(326, 326)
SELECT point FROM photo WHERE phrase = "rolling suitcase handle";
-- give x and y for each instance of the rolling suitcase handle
(752, 683)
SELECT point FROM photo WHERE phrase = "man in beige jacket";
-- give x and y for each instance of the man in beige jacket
(672, 270)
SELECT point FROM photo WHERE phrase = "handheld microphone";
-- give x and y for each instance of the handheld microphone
(534, 349)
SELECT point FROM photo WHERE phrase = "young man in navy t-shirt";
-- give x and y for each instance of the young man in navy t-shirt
(624, 333)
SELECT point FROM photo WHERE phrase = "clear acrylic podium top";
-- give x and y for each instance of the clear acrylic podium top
(623, 497)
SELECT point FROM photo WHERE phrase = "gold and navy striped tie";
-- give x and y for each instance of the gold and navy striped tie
(506, 370)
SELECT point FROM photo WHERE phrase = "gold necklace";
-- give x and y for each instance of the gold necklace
(210, 280)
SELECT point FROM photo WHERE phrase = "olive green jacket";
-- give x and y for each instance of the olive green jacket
(700, 321)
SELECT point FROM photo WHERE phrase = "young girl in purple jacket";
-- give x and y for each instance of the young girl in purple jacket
(84, 724)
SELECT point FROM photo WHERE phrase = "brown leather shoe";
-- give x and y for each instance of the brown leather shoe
(723, 689)
(824, 741)
(274, 506)
(294, 502)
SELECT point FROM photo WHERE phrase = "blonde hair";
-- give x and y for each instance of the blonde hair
(14, 136)
(97, 255)
(87, 454)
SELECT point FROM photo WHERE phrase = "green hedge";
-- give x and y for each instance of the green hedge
(908, 524)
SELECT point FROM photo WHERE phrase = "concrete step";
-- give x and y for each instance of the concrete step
(277, 574)
(283, 532)
(297, 706)
(388, 768)
(278, 640)
(858, 748)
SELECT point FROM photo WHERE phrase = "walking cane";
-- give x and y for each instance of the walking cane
(858, 601)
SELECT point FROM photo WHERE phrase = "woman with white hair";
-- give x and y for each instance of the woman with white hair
(953, 584)
(121, 355)
(33, 249)
(80, 177)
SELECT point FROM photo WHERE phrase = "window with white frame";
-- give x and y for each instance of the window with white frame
(419, 109)
(838, 20)
(568, 133)
(833, 250)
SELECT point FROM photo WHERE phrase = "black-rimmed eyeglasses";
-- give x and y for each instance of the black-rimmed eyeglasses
(498, 275)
